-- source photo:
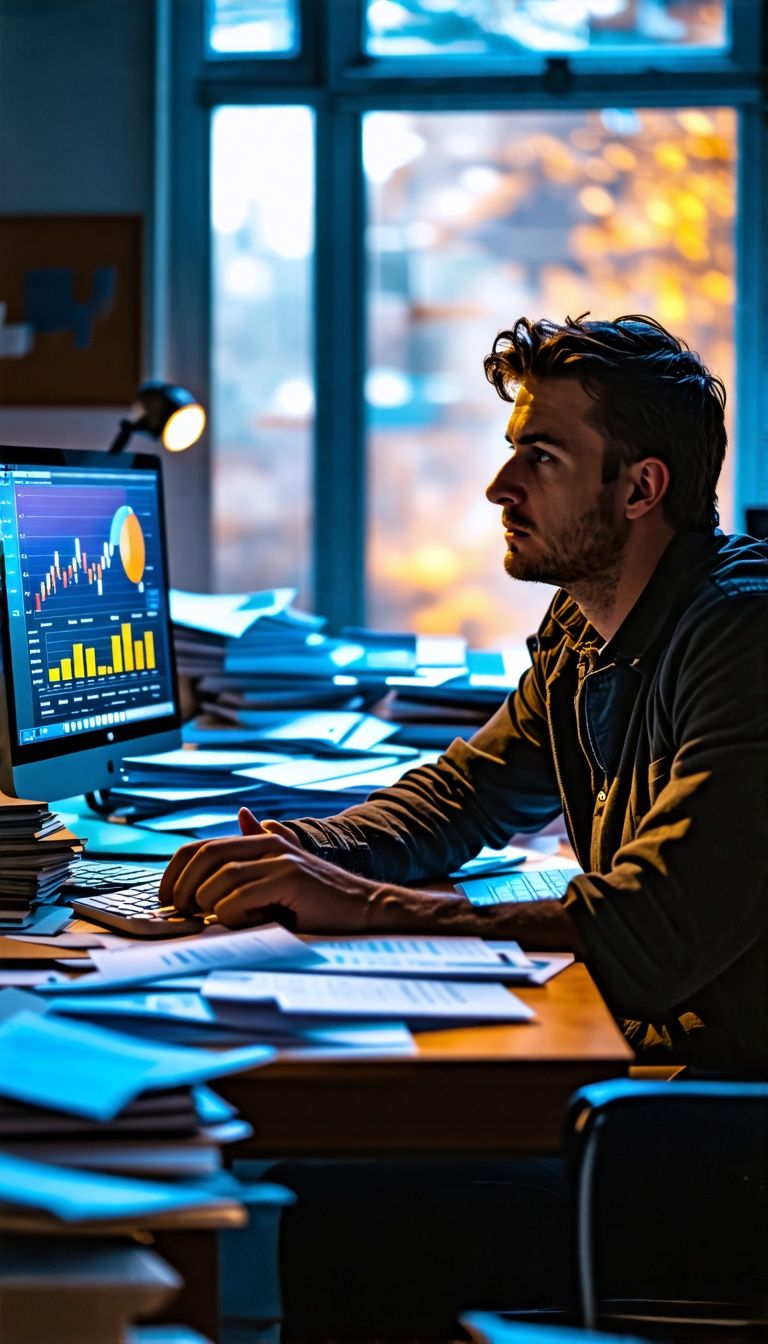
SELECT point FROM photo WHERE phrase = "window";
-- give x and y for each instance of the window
(514, 27)
(392, 181)
(473, 219)
(262, 194)
(251, 28)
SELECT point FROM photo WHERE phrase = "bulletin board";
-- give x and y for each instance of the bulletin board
(70, 309)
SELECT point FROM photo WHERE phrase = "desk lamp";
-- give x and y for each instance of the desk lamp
(165, 412)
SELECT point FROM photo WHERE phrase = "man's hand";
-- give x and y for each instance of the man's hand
(265, 875)
(250, 826)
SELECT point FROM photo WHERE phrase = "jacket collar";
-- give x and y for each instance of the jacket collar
(664, 594)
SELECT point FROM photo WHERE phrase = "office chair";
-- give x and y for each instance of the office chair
(485, 1327)
(670, 1208)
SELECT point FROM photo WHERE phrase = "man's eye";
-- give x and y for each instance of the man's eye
(540, 455)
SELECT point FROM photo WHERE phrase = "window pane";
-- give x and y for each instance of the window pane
(262, 379)
(252, 28)
(509, 27)
(477, 219)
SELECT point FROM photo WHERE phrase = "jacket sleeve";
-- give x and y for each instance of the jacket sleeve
(686, 897)
(437, 816)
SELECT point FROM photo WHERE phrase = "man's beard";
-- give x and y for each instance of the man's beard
(588, 558)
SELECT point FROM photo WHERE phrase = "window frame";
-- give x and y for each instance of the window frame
(332, 76)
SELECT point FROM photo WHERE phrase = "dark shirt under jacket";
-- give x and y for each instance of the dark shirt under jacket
(655, 748)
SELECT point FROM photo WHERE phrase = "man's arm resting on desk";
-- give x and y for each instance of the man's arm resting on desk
(265, 876)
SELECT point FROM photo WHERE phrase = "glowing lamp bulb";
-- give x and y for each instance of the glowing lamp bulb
(184, 428)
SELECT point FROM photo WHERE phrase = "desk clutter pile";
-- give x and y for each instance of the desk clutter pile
(37, 854)
(106, 1144)
(291, 722)
(106, 1057)
(97, 1126)
(107, 1043)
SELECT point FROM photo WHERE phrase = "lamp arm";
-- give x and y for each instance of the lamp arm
(123, 435)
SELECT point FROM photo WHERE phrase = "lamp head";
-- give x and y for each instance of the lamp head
(165, 412)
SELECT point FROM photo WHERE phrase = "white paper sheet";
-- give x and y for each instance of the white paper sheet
(20, 976)
(299, 772)
(229, 614)
(201, 759)
(366, 997)
(249, 949)
(361, 1039)
(440, 957)
(490, 861)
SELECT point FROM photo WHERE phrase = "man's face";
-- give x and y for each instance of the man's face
(562, 524)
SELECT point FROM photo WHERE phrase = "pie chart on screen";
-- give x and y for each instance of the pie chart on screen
(125, 535)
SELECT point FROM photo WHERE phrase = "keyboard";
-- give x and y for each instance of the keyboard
(124, 898)
(542, 884)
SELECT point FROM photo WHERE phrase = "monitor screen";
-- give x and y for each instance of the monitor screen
(88, 667)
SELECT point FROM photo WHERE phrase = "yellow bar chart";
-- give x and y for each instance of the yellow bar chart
(117, 653)
(129, 654)
(125, 630)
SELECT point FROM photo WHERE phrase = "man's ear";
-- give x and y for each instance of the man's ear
(647, 485)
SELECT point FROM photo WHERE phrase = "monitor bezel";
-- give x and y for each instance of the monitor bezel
(101, 747)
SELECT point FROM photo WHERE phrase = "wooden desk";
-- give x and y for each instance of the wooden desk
(477, 1091)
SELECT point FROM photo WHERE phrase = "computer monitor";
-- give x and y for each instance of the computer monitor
(88, 673)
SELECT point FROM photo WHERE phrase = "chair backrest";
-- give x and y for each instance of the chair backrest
(486, 1328)
(669, 1194)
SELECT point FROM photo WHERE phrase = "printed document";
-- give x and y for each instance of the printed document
(442, 958)
(241, 998)
(248, 949)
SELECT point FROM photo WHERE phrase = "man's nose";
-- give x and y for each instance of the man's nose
(505, 488)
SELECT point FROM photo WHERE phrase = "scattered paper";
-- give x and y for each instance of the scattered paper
(242, 999)
(249, 949)
(545, 965)
(81, 1196)
(490, 861)
(443, 958)
(362, 1039)
(14, 1001)
(89, 1071)
(23, 976)
(227, 614)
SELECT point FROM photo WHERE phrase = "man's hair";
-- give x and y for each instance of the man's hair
(654, 397)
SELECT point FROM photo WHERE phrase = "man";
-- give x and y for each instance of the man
(643, 716)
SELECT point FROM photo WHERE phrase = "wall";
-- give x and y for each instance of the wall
(77, 135)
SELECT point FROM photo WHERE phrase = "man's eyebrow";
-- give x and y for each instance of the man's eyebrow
(525, 439)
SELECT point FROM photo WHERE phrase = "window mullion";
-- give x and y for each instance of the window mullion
(339, 483)
(752, 290)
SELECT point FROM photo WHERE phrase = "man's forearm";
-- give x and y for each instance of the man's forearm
(537, 925)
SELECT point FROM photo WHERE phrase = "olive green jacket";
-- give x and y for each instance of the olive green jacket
(655, 748)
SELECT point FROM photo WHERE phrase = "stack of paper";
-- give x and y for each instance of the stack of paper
(77, 1096)
(254, 654)
(36, 856)
(170, 1133)
(208, 626)
(197, 791)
